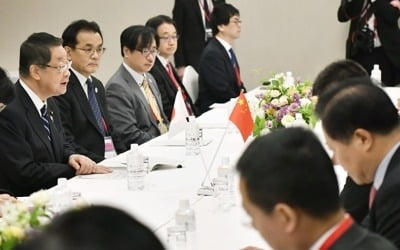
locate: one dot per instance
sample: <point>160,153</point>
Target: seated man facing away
<point>133,97</point>
<point>361,126</point>
<point>33,149</point>
<point>354,197</point>
<point>94,228</point>
<point>289,189</point>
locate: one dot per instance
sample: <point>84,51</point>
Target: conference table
<point>165,186</point>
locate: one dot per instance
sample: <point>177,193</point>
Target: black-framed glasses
<point>91,51</point>
<point>60,68</point>
<point>167,38</point>
<point>146,52</point>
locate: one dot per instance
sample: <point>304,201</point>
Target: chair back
<point>191,82</point>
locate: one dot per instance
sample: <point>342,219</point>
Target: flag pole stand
<point>205,190</point>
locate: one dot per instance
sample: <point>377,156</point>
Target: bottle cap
<point>376,66</point>
<point>61,181</point>
<point>184,204</point>
<point>134,146</point>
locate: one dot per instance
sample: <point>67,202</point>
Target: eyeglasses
<point>236,21</point>
<point>90,51</point>
<point>60,68</point>
<point>146,52</point>
<point>167,38</point>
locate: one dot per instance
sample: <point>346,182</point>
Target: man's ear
<point>34,71</point>
<point>287,217</point>
<point>68,50</point>
<point>364,139</point>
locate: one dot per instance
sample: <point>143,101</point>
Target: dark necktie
<point>45,119</point>
<point>176,85</point>
<point>235,67</point>
<point>94,105</point>
<point>206,13</point>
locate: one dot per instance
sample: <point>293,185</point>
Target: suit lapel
<point>196,7</point>
<point>34,118</point>
<point>57,144</point>
<point>139,94</point>
<point>83,100</point>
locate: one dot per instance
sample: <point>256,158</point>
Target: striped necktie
<point>45,119</point>
<point>94,105</point>
<point>154,106</point>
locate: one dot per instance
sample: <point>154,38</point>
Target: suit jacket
<point>129,110</point>
<point>167,88</point>
<point>355,199</point>
<point>78,119</point>
<point>384,216</point>
<point>359,238</point>
<point>217,78</point>
<point>386,21</point>
<point>29,161</point>
<point>189,23</point>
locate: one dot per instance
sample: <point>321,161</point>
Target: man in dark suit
<point>354,197</point>
<point>164,73</point>
<point>33,149</point>
<point>192,18</point>
<point>365,141</point>
<point>7,94</point>
<point>83,107</point>
<point>379,43</point>
<point>133,97</point>
<point>219,73</point>
<point>289,189</point>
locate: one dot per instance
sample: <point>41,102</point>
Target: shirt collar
<point>82,79</point>
<point>381,170</point>
<point>317,245</point>
<point>225,44</point>
<point>137,76</point>
<point>164,61</point>
<point>34,97</point>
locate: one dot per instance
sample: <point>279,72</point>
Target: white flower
<point>287,120</point>
<point>275,93</point>
<point>265,131</point>
<point>40,198</point>
<point>304,102</point>
<point>14,232</point>
<point>283,100</point>
<point>275,102</point>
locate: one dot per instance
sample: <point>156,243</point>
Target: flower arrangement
<point>285,102</point>
<point>20,219</point>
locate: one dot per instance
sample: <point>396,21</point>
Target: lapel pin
<point>95,90</point>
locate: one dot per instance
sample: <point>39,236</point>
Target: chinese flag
<point>241,117</point>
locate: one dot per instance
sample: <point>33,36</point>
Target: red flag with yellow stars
<point>241,116</point>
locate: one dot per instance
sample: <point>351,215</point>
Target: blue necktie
<point>235,67</point>
<point>45,120</point>
<point>94,105</point>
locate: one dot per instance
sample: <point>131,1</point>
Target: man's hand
<point>180,71</point>
<point>84,165</point>
<point>395,3</point>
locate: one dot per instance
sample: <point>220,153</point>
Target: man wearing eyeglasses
<point>219,74</point>
<point>83,107</point>
<point>163,71</point>
<point>133,97</point>
<point>33,149</point>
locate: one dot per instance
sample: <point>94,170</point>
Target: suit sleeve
<point>124,118</point>
<point>18,162</point>
<point>178,14</point>
<point>350,9</point>
<point>386,12</point>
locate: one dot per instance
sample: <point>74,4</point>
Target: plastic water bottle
<point>185,216</point>
<point>299,121</point>
<point>62,196</point>
<point>136,169</point>
<point>376,75</point>
<point>224,169</point>
<point>192,137</point>
<point>289,79</point>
